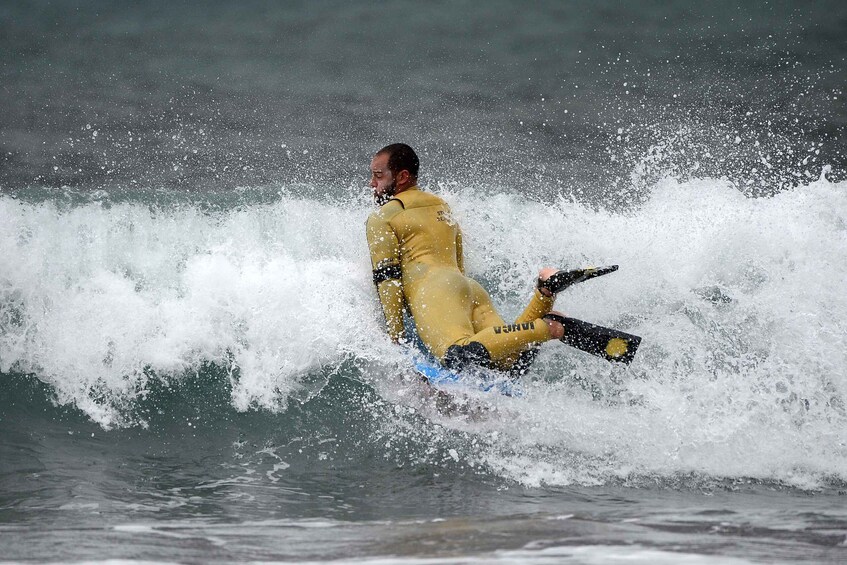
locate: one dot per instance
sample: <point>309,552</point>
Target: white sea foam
<point>92,296</point>
<point>739,301</point>
<point>752,387</point>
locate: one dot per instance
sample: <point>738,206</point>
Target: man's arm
<point>460,257</point>
<point>385,260</point>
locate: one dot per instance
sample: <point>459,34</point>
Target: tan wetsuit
<point>416,252</point>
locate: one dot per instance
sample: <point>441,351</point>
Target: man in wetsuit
<point>416,253</point>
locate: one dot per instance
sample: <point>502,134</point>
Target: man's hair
<point>401,157</point>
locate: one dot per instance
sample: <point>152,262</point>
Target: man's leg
<point>459,325</point>
<point>496,343</point>
<point>442,306</point>
<point>540,305</point>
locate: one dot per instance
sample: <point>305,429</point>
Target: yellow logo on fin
<point>616,347</point>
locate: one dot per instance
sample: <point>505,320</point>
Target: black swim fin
<point>563,279</point>
<point>610,344</point>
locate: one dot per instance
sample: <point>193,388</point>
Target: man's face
<point>382,180</point>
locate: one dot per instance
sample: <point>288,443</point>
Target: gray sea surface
<point>539,97</point>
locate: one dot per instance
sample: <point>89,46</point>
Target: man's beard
<point>386,195</point>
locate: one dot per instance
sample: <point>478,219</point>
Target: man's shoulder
<point>417,197</point>
<point>387,211</point>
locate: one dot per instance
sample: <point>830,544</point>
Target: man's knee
<point>459,357</point>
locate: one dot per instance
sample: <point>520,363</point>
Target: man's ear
<point>402,177</point>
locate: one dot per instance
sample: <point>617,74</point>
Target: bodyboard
<point>472,380</point>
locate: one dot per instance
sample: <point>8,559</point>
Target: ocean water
<point>192,357</point>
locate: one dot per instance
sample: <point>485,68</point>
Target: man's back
<point>416,229</point>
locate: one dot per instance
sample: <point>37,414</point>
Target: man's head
<point>394,168</point>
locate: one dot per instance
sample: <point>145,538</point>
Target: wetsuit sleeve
<point>385,259</point>
<point>460,254</point>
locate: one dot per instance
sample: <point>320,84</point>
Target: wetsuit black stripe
<point>387,272</point>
